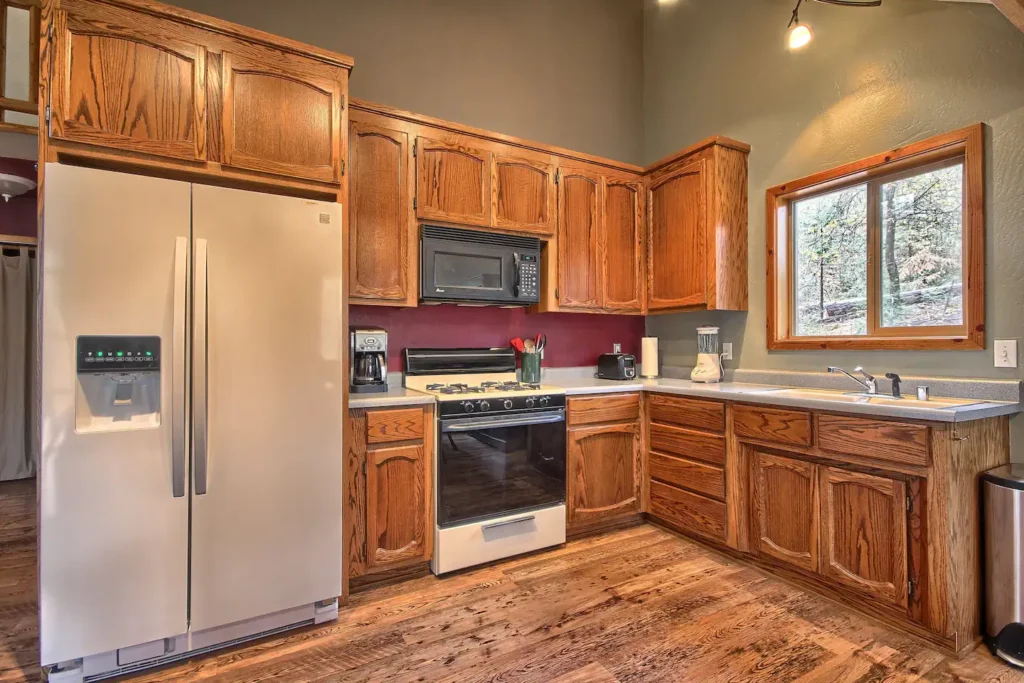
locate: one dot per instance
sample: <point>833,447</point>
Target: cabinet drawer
<point>771,424</point>
<point>688,511</point>
<point>687,412</point>
<point>601,409</point>
<point>688,474</point>
<point>385,426</point>
<point>688,443</point>
<point>893,441</point>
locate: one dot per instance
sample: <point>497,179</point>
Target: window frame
<point>964,146</point>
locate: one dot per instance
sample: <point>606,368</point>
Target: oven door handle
<point>475,425</point>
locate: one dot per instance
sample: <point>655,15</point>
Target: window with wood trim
<point>883,253</point>
<point>19,65</point>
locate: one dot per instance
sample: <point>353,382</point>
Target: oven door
<point>451,270</point>
<point>493,466</point>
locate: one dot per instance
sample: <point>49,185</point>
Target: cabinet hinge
<point>556,292</point>
<point>364,468</point>
<point>910,503</point>
<point>343,103</point>
<point>911,587</point>
<point>47,115</point>
<point>342,167</point>
<point>413,203</point>
<point>49,33</point>
<point>558,175</point>
<point>414,147</point>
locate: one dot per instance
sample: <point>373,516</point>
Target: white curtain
<point>19,441</point>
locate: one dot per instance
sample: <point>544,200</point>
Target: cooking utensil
<point>542,341</point>
<point>529,346</point>
<point>517,344</point>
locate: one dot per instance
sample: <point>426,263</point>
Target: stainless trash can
<point>1003,519</point>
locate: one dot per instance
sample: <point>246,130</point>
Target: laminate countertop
<point>396,395</point>
<point>770,395</point>
<point>808,399</point>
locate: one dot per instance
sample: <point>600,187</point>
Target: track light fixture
<point>799,34</point>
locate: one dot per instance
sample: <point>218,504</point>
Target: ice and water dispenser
<point>118,383</point>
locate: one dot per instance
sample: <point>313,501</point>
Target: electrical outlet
<point>727,351</point>
<point>1006,353</point>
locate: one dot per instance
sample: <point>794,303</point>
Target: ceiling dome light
<point>14,186</point>
<point>799,36</point>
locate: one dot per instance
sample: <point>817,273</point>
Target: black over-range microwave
<point>459,266</point>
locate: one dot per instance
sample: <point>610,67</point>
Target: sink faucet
<point>868,382</point>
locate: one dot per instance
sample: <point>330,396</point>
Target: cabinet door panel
<point>676,261</point>
<point>602,472</point>
<point>453,183</point>
<point>579,225</point>
<point>139,89</point>
<point>395,501</point>
<point>864,533</point>
<point>523,195</point>
<point>380,238</point>
<point>281,116</point>
<point>622,246</point>
<point>786,510</point>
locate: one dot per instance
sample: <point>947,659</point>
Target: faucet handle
<point>867,375</point>
<point>895,383</point>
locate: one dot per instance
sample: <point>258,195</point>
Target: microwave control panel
<point>528,286</point>
<point>118,354</point>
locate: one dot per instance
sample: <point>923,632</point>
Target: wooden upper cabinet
<point>697,229</point>
<point>131,85</point>
<point>579,230</point>
<point>603,472</point>
<point>785,510</point>
<point>282,114</point>
<point>395,505</point>
<point>382,241</point>
<point>523,195</point>
<point>453,183</point>
<point>622,246</point>
<point>677,246</point>
<point>864,534</point>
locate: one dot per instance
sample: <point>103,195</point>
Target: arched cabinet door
<point>786,510</point>
<point>579,238</point>
<point>523,195</point>
<point>382,239</point>
<point>395,504</point>
<point>676,241</point>
<point>453,183</point>
<point>282,115</point>
<point>864,533</point>
<point>622,241</point>
<point>128,81</point>
<point>602,465</point>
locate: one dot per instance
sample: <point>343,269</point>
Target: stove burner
<point>435,387</point>
<point>489,386</point>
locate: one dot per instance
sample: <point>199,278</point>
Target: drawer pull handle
<point>517,520</point>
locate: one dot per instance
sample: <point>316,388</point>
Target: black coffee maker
<point>368,360</point>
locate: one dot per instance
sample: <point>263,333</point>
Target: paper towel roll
<point>649,357</point>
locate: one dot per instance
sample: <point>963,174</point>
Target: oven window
<point>499,471</point>
<point>468,271</point>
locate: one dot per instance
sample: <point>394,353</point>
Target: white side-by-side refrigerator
<point>192,392</point>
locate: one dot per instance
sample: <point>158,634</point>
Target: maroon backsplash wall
<point>18,216</point>
<point>574,339</point>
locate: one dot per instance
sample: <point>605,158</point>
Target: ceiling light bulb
<point>799,36</point>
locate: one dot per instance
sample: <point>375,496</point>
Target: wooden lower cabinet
<point>389,495</point>
<point>786,510</point>
<point>603,461</point>
<point>864,533</point>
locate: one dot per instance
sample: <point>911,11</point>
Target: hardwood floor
<point>634,605</point>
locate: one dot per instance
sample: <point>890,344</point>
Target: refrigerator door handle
<point>200,377</point>
<point>178,368</point>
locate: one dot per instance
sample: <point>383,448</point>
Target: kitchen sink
<point>876,399</point>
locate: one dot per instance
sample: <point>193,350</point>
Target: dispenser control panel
<point>118,354</point>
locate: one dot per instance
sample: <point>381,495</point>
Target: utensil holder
<point>530,365</point>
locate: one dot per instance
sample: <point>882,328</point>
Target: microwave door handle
<point>515,273</point>
<point>475,425</point>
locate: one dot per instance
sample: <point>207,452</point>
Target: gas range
<point>486,393</point>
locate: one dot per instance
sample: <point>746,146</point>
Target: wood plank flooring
<point>635,605</point>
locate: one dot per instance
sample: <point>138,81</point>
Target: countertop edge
<point>398,396</point>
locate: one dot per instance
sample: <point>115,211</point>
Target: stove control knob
<point>508,404</point>
<point>467,406</point>
<point>531,402</point>
<point>544,400</point>
<point>484,405</point>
